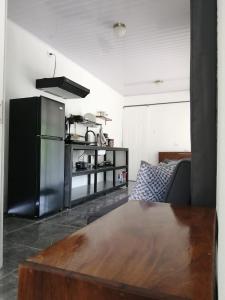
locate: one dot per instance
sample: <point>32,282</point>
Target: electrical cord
<point>52,54</point>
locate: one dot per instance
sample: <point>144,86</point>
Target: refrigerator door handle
<point>48,137</point>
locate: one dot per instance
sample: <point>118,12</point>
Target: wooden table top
<point>163,251</point>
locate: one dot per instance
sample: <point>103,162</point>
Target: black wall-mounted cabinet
<point>62,87</point>
<point>36,157</point>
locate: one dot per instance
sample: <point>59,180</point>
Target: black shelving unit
<point>97,170</point>
<point>93,188</point>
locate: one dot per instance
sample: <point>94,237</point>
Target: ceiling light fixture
<point>120,29</point>
<point>158,81</point>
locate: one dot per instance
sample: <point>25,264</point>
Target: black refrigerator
<point>36,156</point>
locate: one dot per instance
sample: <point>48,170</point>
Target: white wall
<point>27,60</point>
<point>2,59</point>
<point>148,130</point>
<point>221,148</point>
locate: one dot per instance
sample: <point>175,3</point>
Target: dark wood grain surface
<point>138,251</point>
<point>173,155</point>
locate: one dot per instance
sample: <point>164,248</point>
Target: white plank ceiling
<point>156,46</point>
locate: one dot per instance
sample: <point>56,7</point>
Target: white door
<point>135,133</point>
<point>169,129</point>
<point>2,50</point>
<point>148,130</point>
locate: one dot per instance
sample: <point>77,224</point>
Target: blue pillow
<point>152,182</point>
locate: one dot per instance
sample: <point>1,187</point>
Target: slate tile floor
<point>24,238</point>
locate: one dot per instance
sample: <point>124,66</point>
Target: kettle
<point>87,139</point>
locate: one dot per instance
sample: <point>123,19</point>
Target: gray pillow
<point>152,182</point>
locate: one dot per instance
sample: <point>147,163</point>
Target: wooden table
<point>138,251</point>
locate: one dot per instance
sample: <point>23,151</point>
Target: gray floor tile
<point>12,223</point>
<point>13,254</point>
<point>77,216</point>
<point>70,218</point>
<point>24,238</point>
<point>8,287</point>
<point>40,235</point>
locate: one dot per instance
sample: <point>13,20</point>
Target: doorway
<point>152,128</point>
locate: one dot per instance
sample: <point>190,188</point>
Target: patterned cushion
<point>152,182</point>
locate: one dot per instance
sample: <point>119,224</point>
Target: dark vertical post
<point>203,88</point>
<point>68,175</point>
<point>96,175</point>
<point>114,171</point>
<point>89,175</point>
<point>105,157</point>
<point>127,164</point>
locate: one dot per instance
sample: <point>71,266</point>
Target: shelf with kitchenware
<point>93,170</point>
<point>93,147</point>
<point>102,115</point>
<point>89,120</point>
<point>105,119</point>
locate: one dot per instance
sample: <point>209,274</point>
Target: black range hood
<point>62,87</point>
